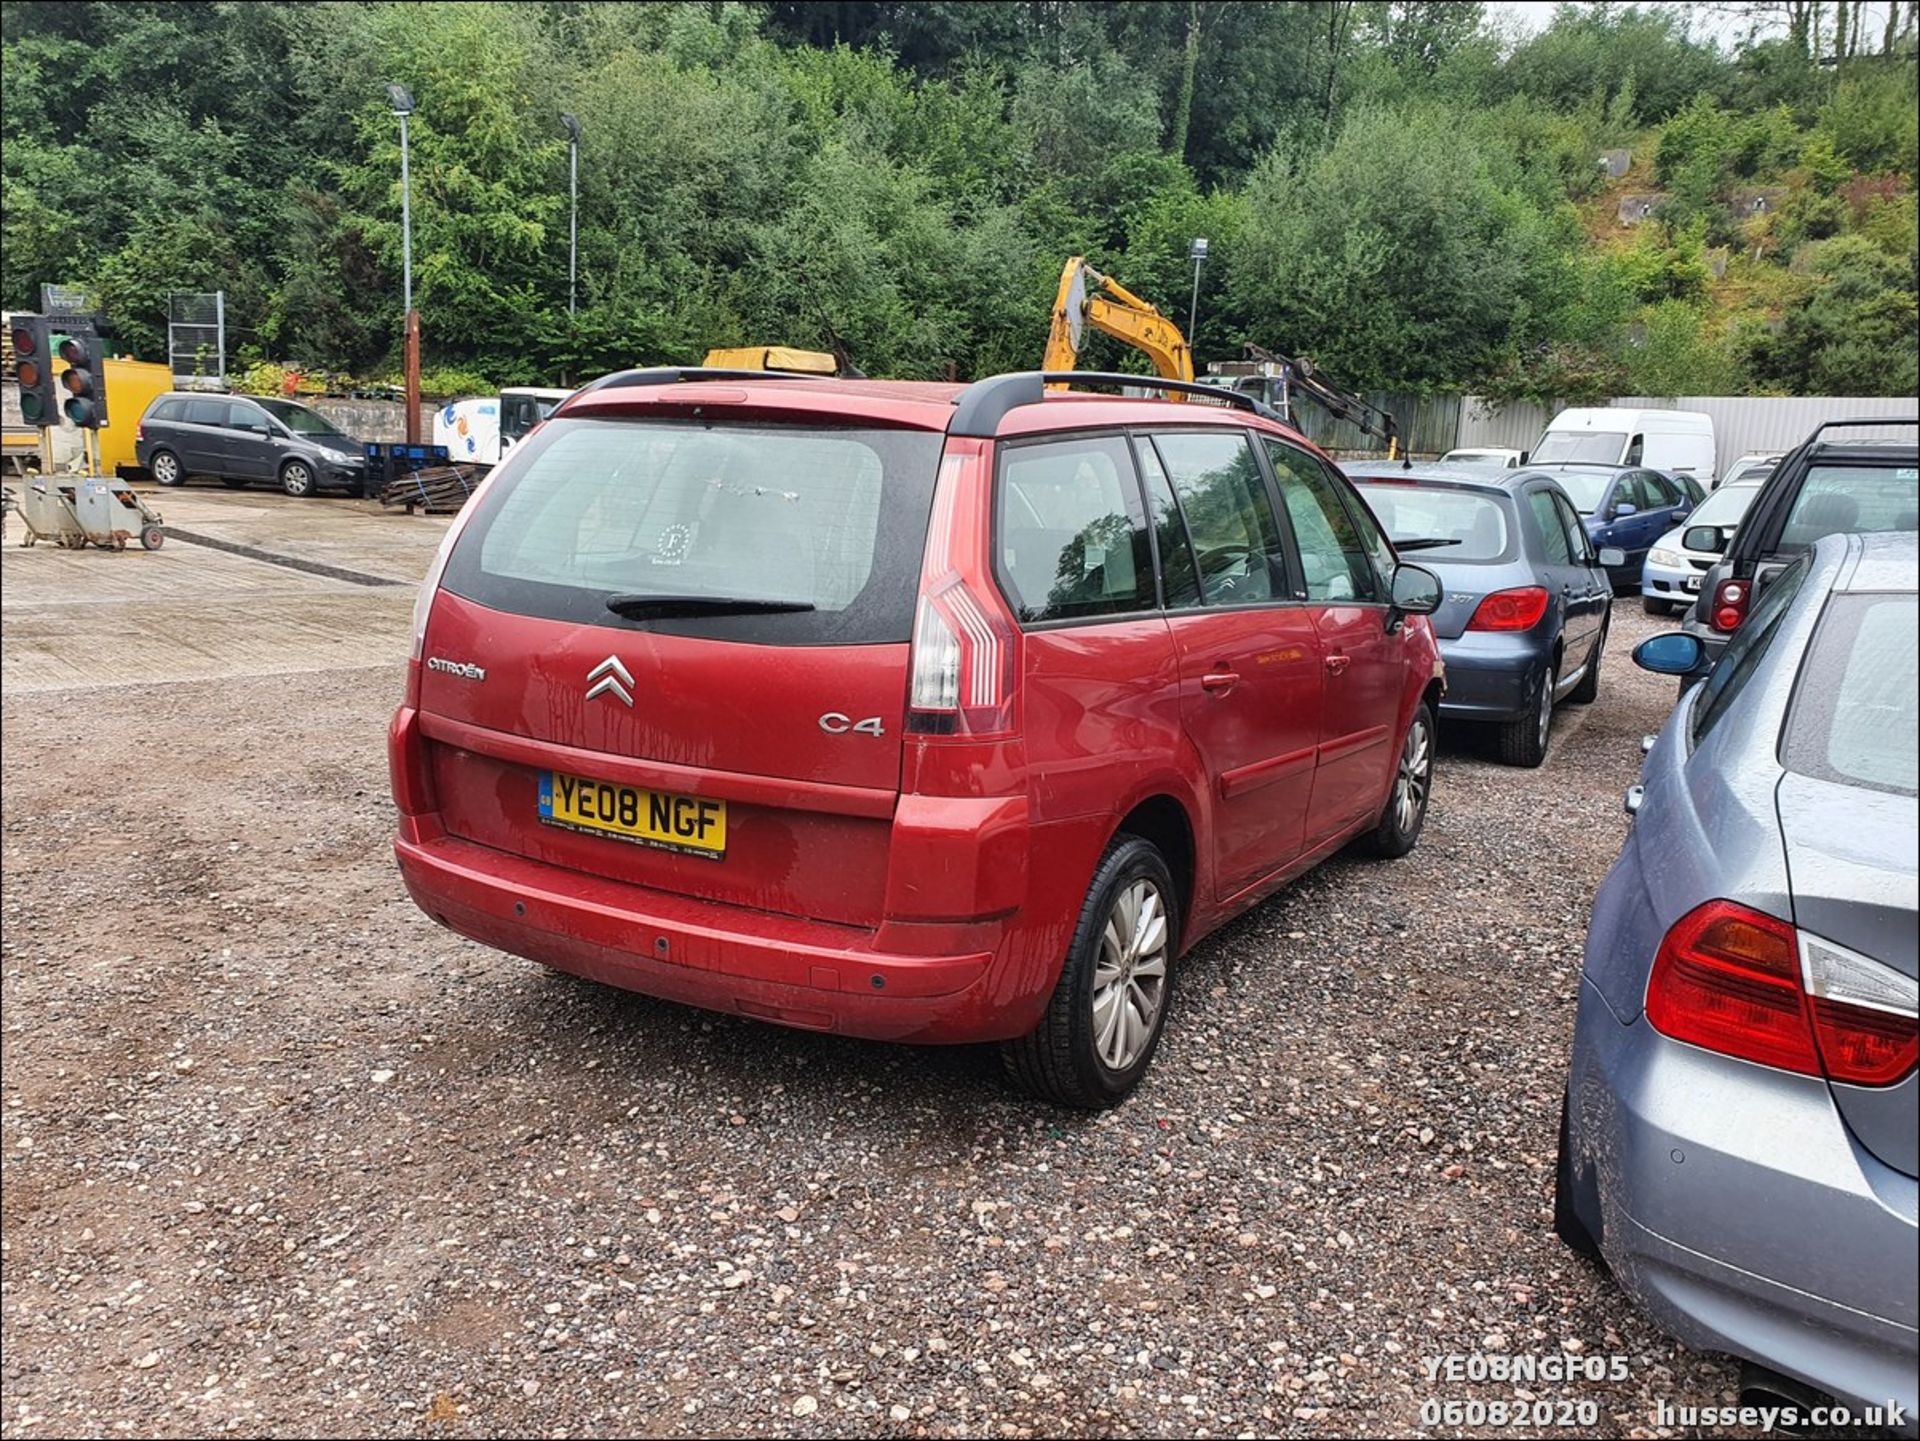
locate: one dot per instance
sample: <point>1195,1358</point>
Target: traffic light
<point>33,362</point>
<point>85,379</point>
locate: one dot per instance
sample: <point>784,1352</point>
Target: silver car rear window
<point>1854,712</point>
<point>1475,525</point>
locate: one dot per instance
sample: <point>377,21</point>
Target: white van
<point>1672,440</point>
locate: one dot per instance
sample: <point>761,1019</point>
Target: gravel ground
<point>283,1156</point>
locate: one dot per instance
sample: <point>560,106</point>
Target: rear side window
<point>207,412</point>
<point>1835,499</point>
<point>1229,514</point>
<point>1745,651</point>
<point>1333,553</point>
<point>1071,535</point>
<point>169,410</point>
<point>1471,525</point>
<point>1553,536</point>
<point>1853,713</point>
<point>1660,491</point>
<point>835,519</point>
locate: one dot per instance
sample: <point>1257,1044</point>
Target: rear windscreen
<point>1842,499</point>
<point>1469,525</point>
<point>831,519</point>
<point>1853,718</point>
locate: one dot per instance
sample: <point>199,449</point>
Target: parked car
<point>1739,1137</point>
<point>1483,455</point>
<point>908,711</point>
<point>1751,468</point>
<point>1828,485</point>
<point>240,439</point>
<point>1524,621</point>
<point>1670,440</point>
<point>1625,508</point>
<point>1670,580</point>
<point>1690,489</point>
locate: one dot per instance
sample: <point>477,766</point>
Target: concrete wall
<point>1740,422</point>
<point>373,419</point>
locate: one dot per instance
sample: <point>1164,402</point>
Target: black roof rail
<point>979,409</point>
<point>687,374</point>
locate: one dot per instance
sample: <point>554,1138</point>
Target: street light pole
<point>402,101</point>
<point>573,214</point>
<point>1198,255</point>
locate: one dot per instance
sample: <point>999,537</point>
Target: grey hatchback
<point>240,439</point>
<point>1524,621</point>
<point>1739,1138</point>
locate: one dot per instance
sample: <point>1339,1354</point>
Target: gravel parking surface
<point>282,1156</point>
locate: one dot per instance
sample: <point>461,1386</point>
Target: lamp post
<point>1198,255</point>
<point>402,101</point>
<point>572,127</point>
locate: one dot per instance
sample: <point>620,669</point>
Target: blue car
<point>1739,1137</point>
<point>1626,507</point>
<point>1523,621</point>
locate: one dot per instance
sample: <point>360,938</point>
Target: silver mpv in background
<point>1740,1132</point>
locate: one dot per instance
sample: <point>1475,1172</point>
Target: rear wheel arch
<point>1163,820</point>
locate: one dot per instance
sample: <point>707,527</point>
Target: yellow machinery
<point>773,357</point>
<point>1088,298</point>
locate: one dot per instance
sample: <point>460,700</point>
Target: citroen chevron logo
<point>611,678</point>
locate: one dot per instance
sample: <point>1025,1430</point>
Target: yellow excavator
<point>1088,298</point>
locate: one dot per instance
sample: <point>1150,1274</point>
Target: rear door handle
<point>1338,663</point>
<point>1220,681</point>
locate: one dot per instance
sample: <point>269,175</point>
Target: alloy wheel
<point>1546,706</point>
<point>1416,775</point>
<point>1130,977</point>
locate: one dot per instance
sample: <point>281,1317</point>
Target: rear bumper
<point>1738,1209</point>
<point>1493,676</point>
<point>790,971</point>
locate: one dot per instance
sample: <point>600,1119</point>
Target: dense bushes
<point>1392,189</point>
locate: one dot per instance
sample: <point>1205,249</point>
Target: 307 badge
<point>692,825</point>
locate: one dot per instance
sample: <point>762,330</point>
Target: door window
<point>1378,547</point>
<point>1236,537</point>
<point>207,412</point>
<point>1578,541</point>
<point>1072,538</point>
<point>1179,573</point>
<point>1744,652</point>
<point>1333,552</point>
<point>245,417</point>
<point>1553,532</point>
<point>1661,492</point>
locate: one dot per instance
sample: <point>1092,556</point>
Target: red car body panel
<point>895,885</point>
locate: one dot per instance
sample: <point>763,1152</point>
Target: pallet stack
<point>436,490</point>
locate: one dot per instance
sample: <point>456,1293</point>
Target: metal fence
<point>1427,424</point>
<point>197,340</point>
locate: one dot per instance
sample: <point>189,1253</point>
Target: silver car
<point>1739,1139</point>
<point>1670,580</point>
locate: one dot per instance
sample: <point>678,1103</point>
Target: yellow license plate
<point>691,824</point>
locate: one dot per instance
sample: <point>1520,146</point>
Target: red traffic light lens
<point>23,339</point>
<point>72,351</point>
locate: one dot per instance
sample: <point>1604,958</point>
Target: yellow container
<point>131,388</point>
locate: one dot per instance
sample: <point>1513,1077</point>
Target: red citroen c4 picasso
<point>918,712</point>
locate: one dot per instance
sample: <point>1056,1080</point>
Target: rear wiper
<point>640,606</point>
<point>1422,544</point>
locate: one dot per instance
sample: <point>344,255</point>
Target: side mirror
<point>1416,590</point>
<point>1710,538</point>
<point>1625,507</point>
<point>1675,653</point>
<point>1525,456</point>
<point>1612,557</point>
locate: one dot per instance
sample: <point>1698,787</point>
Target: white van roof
<point>1625,417</point>
<point>538,391</point>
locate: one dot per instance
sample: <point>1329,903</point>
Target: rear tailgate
<point>746,758</point>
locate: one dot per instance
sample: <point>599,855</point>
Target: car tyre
<point>1405,813</point>
<point>165,468</point>
<point>1096,1040</point>
<point>1588,691</point>
<point>297,479</point>
<point>1523,742</point>
<point>1653,606</point>
<point>1567,1224</point>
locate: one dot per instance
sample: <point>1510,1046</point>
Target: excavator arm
<point>1088,298</point>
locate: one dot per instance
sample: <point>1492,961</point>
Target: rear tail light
<point>1517,609</point>
<point>1744,984</point>
<point>1730,601</point>
<point>964,642</point>
<point>430,587</point>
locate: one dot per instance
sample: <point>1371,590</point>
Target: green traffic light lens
<point>80,411</point>
<point>33,408</point>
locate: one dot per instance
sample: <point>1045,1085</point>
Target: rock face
<point>1616,162</point>
<point>1640,206</point>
